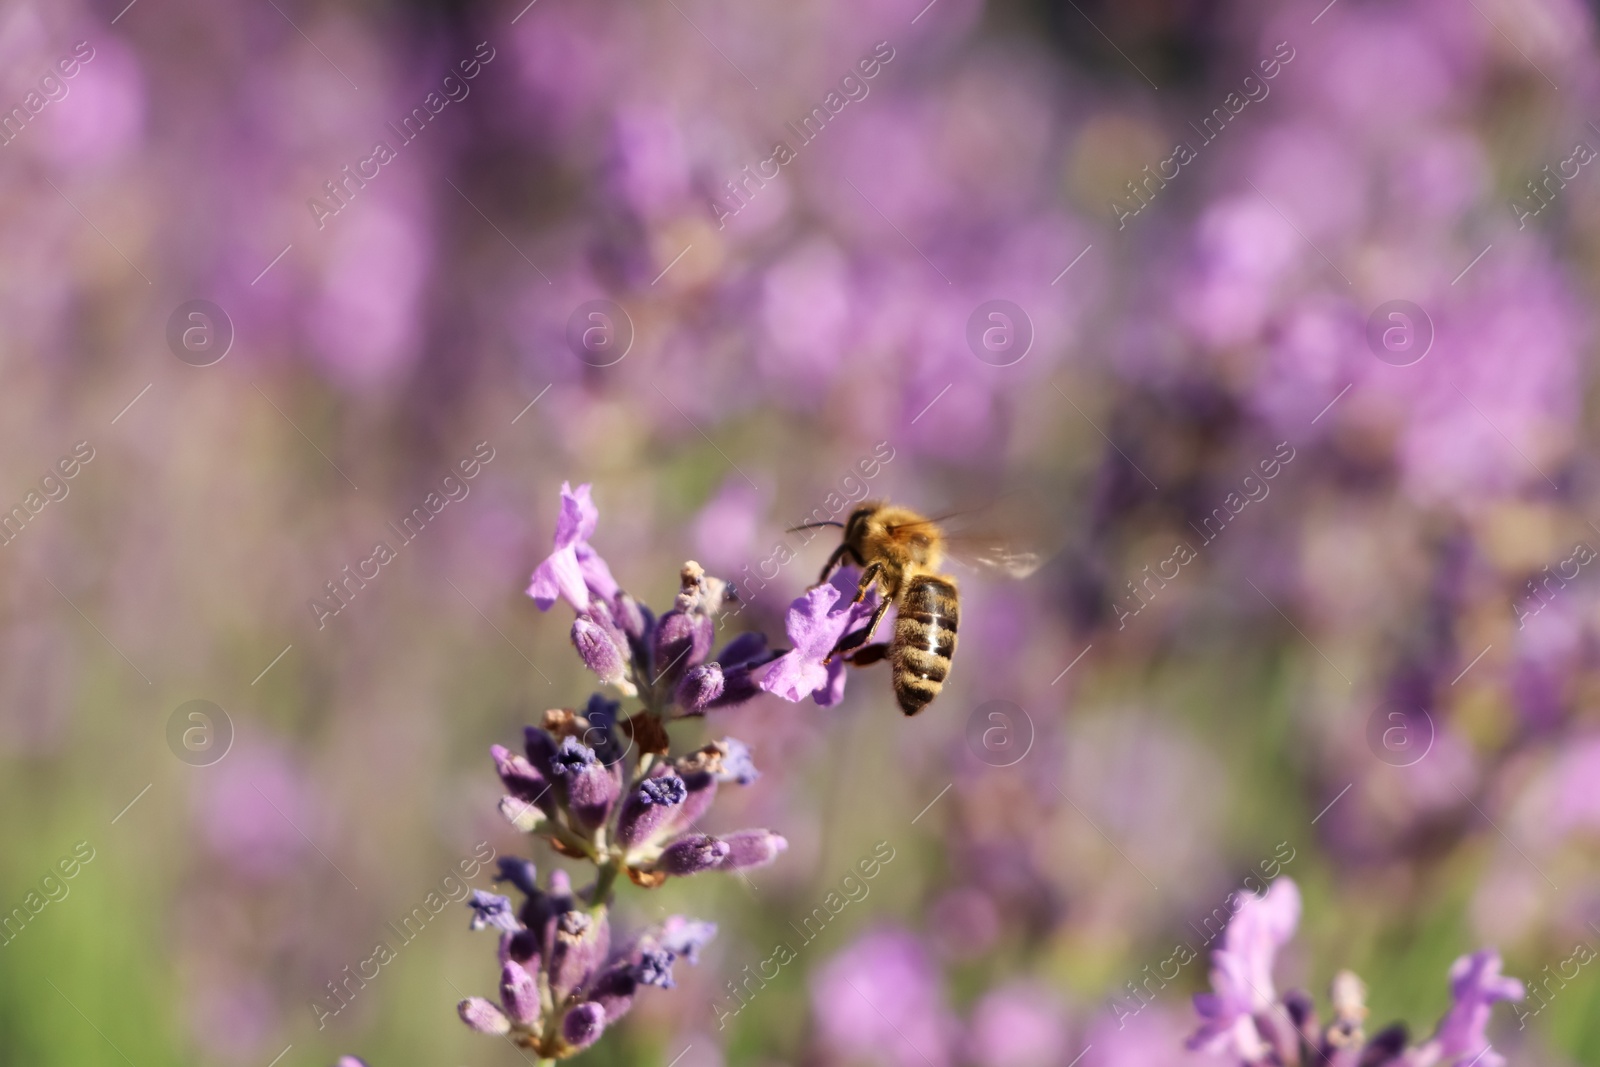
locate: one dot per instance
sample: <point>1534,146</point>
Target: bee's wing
<point>1012,536</point>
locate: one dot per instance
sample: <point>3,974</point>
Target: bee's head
<point>856,527</point>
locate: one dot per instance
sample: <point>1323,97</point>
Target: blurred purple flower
<point>882,997</point>
<point>816,621</point>
<point>1018,1025</point>
<point>1242,973</point>
<point>1477,985</point>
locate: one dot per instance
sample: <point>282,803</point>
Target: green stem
<point>604,880</point>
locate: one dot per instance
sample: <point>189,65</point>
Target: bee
<point>901,551</point>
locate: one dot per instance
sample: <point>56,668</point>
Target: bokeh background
<point>1382,667</point>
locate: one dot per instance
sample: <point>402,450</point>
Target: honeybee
<point>900,551</point>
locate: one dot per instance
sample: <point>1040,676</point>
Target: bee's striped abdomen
<point>924,641</point>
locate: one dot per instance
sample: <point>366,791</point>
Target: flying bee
<point>900,551</point>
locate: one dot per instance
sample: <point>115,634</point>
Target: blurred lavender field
<point>1280,310</point>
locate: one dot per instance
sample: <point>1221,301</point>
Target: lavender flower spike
<point>815,622</point>
<point>574,570</point>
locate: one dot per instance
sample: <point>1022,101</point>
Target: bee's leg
<point>869,654</point>
<point>861,636</point>
<point>835,561</point>
<point>868,576</point>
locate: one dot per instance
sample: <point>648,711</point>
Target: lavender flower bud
<point>613,989</point>
<point>633,617</point>
<point>602,735</point>
<point>598,651</point>
<point>682,640</point>
<point>583,1025</point>
<point>581,943</point>
<point>483,1016</point>
<point>540,745</point>
<point>519,872</point>
<point>752,848</point>
<point>700,686</point>
<point>521,779</point>
<point>489,909</point>
<point>691,855</point>
<point>702,787</point>
<point>572,757</point>
<point>648,808</point>
<point>519,992</point>
<point>655,968</point>
<point>739,684</point>
<point>521,814</point>
<point>521,947</point>
<point>592,793</point>
<point>744,649</point>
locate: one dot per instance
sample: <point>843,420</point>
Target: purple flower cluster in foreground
<point>607,789</point>
<point>1244,1018</point>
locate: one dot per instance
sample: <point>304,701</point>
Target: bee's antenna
<point>814,525</point>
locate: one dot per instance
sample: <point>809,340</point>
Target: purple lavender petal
<point>491,909</point>
<point>685,937</point>
<point>562,574</point>
<point>1241,975</point>
<point>815,623</point>
<point>519,872</point>
<point>1477,985</point>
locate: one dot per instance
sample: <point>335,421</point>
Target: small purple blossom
<point>491,909</point>
<point>655,968</point>
<point>572,757</point>
<point>574,570</point>
<point>816,622</point>
<point>1241,977</point>
<point>1477,985</point>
